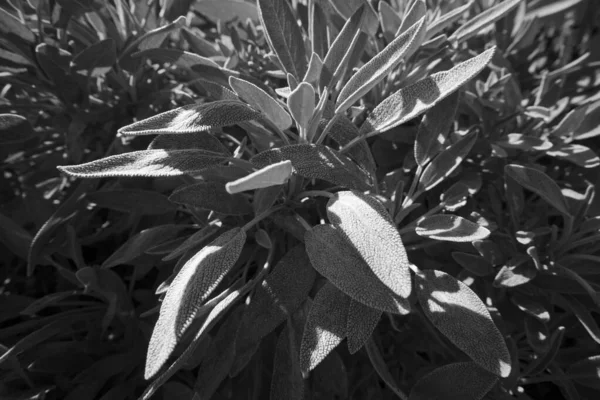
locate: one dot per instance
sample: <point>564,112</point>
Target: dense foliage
<point>291,199</point>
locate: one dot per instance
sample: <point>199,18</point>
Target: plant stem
<point>260,217</point>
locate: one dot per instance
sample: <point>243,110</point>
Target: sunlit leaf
<point>524,142</point>
<point>577,154</point>
<point>452,228</point>
<point>483,20</point>
<point>301,103</point>
<point>446,20</point>
<point>271,175</point>
<point>539,183</point>
<point>188,141</point>
<point>415,13</point>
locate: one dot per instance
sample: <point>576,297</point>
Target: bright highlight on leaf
<point>539,183</point>
<point>271,175</point>
<point>451,228</point>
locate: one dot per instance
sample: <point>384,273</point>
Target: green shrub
<point>416,177</point>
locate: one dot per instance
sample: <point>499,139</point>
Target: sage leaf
<point>445,163</point>
<point>451,228</point>
<point>334,257</point>
<point>283,35</point>
<point>577,154</point>
<point>473,263</point>
<point>96,60</point>
<point>524,142</point>
<point>346,8</point>
<point>318,28</point>
<point>483,20</point>
<point>183,141</point>
<point>584,316</point>
<point>380,66</point>
<point>146,163</point>
<point>196,280</point>
<point>227,10</point>
<point>271,175</point>
<point>317,162</point>
<point>368,227</point>
<point>389,19</point>
<point>362,321</point>
<point>540,184</point>
<point>301,103</point>
<point>458,381</point>
<point>446,20</point>
<point>262,101</point>
<point>198,44</point>
<point>434,128</point>
<point>411,101</point>
<point>279,295</point>
<point>325,326</point>
<point>212,196</point>
<point>193,118</point>
<point>416,12</point>
<point>315,65</point>
<point>15,128</point>
<point>461,316</point>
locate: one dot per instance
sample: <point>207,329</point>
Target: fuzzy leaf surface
<point>451,228</point>
<point>212,196</point>
<point>362,321</point>
<point>417,11</point>
<point>271,175</point>
<point>461,316</point>
<point>196,280</point>
<point>483,20</point>
<point>185,141</point>
<point>301,103</point>
<point>540,184</point>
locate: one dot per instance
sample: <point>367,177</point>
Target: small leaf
<point>15,128</point>
<point>212,196</point>
<point>577,154</point>
<point>333,256</point>
<point>362,321</point>
<point>446,20</point>
<point>152,39</point>
<point>450,228</point>
<point>483,20</point>
<point>315,65</point>
<point>516,272</point>
<point>530,306</point>
<point>260,100</point>
<point>317,162</point>
<point>390,20</point>
<point>446,162</point>
<point>271,175</point>
<point>380,66</point>
<point>283,35</point>
<point>143,202</point>
<point>325,326</point>
<point>279,295</point>
<point>198,44</point>
<point>416,12</point>
<point>475,264</point>
<point>539,183</point>
<point>146,163</point>
<point>434,128</point>
<point>458,381</point>
<point>411,101</point>
<point>301,103</point>
<point>96,60</point>
<point>193,118</point>
<point>524,142</point>
<point>461,316</point>
<point>541,363</point>
<point>455,197</point>
<point>180,58</point>
<point>200,275</point>
<point>227,10</point>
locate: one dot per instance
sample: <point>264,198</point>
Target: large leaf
<point>344,266</point>
<point>434,128</point>
<point>539,183</point>
<point>362,321</point>
<point>191,287</point>
<point>146,163</point>
<point>95,60</point>
<point>461,316</point>
<point>279,295</point>
<point>15,128</point>
<point>184,141</point>
<point>369,228</point>
<point>452,228</point>
<point>271,175</point>
<point>325,326</point>
<point>284,35</point>
<point>346,8</point>
<point>458,381</point>
<point>411,101</point>
<point>483,20</point>
<point>260,100</point>
<point>381,65</point>
<point>212,196</point>
<point>317,162</point>
<point>193,118</point>
<point>301,103</point>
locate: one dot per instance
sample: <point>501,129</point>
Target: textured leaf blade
<point>452,228</point>
<point>254,95</point>
<point>325,326</point>
<point>15,128</point>
<point>284,35</point>
<point>193,118</point>
<point>434,128</point>
<point>301,104</point>
<point>146,163</point>
<point>381,65</point>
<point>458,381</point>
<point>417,11</point>
<point>346,8</point>
<point>317,162</point>
<point>370,230</point>
<point>196,280</point>
<point>362,321</point>
<point>486,18</point>
<point>212,196</point>
<point>97,59</point>
<point>462,317</point>
<point>271,175</point>
<point>446,162</point>
<point>184,141</point>
<point>539,183</point>
<point>334,257</point>
<point>447,20</point>
<point>411,101</point>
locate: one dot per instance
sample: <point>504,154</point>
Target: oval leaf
<point>146,163</point>
<point>458,381</point>
<point>193,118</point>
<point>199,276</point>
<point>461,316</point>
<point>301,103</point>
<point>325,326</point>
<point>271,175</point>
<point>451,228</point>
<point>334,257</point>
<point>539,183</point>
<point>362,321</point>
<point>411,101</point>
<point>317,162</point>
<point>212,196</point>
